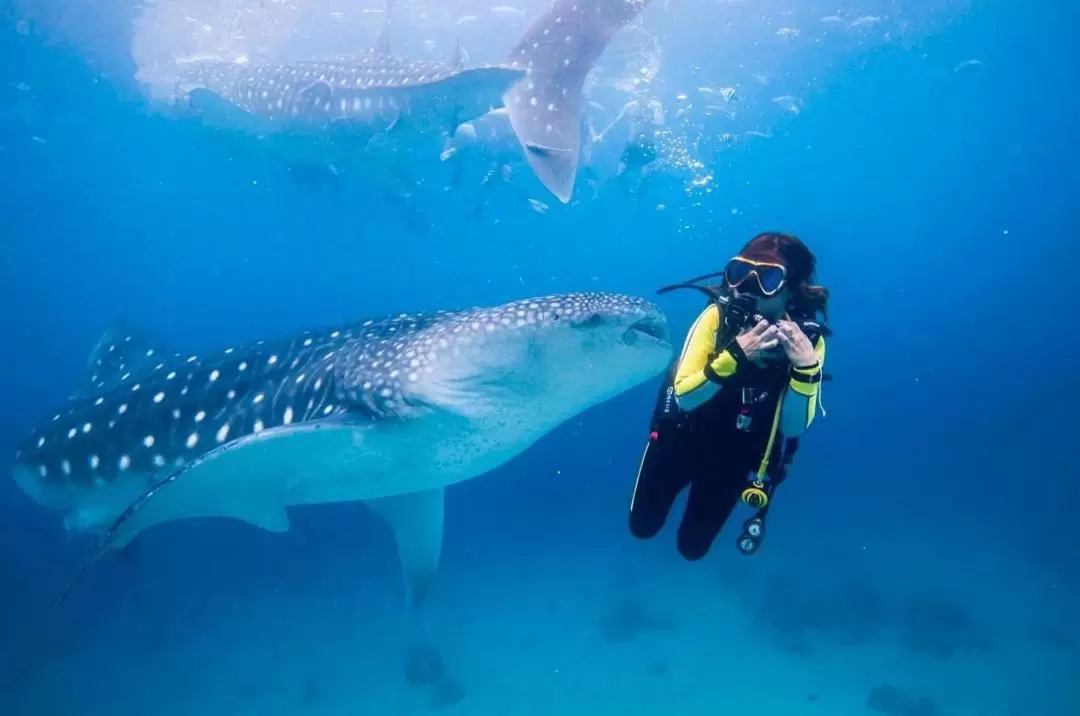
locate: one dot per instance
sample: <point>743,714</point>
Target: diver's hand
<point>757,341</point>
<point>796,345</point>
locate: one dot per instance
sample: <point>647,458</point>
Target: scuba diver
<point>729,417</point>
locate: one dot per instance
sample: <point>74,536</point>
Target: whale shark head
<point>542,359</point>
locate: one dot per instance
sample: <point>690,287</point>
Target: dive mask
<point>769,277</point>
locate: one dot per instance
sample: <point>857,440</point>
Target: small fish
<point>727,93</point>
<point>865,21</point>
<point>719,109</point>
<point>507,10</point>
<point>790,104</point>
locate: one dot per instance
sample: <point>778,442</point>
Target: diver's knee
<point>645,526</point>
<point>693,550</point>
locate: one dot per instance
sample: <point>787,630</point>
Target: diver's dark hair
<point>789,250</point>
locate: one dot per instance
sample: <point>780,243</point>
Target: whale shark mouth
<point>651,327</point>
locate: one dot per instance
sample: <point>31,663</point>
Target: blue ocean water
<point>922,557</point>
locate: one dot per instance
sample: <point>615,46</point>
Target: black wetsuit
<point>707,451</point>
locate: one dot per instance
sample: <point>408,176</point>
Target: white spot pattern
<point>367,370</point>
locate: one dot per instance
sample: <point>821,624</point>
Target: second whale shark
<point>346,101</point>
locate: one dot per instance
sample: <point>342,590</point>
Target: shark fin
<point>194,489</point>
<point>559,50</point>
<point>123,352</point>
<point>417,521</point>
<point>94,513</point>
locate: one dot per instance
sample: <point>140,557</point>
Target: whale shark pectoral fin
<point>552,141</point>
<point>244,479</point>
<point>547,109</point>
<point>417,521</point>
<point>96,512</point>
<point>270,515</point>
<point>271,518</point>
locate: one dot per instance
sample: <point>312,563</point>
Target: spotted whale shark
<point>386,411</point>
<point>354,98</point>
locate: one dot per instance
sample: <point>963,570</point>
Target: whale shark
<point>346,101</point>
<point>387,411</point>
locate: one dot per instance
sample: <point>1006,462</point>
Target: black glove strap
<point>809,378</point>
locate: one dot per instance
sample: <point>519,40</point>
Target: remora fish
<point>387,411</point>
<point>540,85</point>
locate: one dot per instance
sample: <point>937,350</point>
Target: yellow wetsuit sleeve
<point>801,400</point>
<point>702,371</point>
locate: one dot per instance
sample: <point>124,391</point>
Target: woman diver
<point>745,388</point>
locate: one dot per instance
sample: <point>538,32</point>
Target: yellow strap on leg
<point>763,468</point>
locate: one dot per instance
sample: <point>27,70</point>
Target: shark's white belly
<point>349,464</point>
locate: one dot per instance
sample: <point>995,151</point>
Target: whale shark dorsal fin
<point>124,352</point>
<point>417,521</point>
